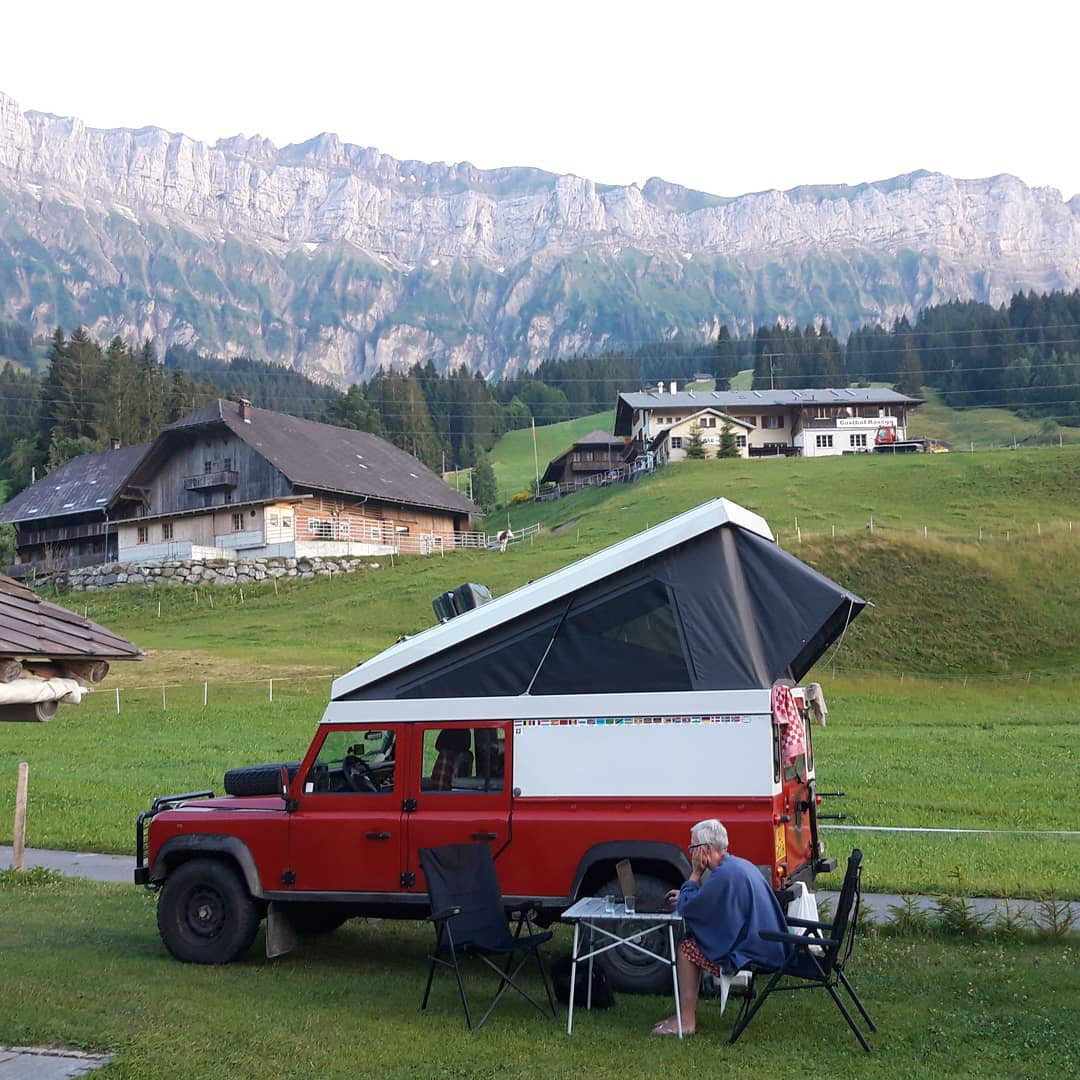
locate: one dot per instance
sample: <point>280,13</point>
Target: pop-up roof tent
<point>705,601</point>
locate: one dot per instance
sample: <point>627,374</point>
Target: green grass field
<point>911,754</point>
<point>953,495</point>
<point>512,455</point>
<point>986,428</point>
<point>83,967</point>
<point>929,750</point>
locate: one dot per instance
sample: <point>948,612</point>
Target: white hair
<point>710,831</point>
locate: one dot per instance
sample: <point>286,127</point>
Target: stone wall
<point>207,572</point>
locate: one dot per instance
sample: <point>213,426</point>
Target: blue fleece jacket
<point>727,913</point>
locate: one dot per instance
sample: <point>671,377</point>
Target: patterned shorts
<point>689,948</point>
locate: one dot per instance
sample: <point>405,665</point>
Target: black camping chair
<point>816,958</point>
<point>471,920</point>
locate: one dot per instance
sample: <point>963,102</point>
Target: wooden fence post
<point>18,854</point>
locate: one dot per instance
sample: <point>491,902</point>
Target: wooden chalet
<point>591,457</point>
<point>230,479</point>
<point>65,520</point>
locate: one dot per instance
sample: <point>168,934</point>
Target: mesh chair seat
<point>471,920</point>
<point>816,958</point>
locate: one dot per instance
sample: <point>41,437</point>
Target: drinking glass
<point>631,904</point>
<point>609,905</point>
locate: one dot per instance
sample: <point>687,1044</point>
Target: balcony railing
<point>207,481</point>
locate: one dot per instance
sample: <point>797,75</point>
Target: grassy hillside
<point>947,603</point>
<point>932,682</point>
<point>986,428</point>
<point>951,494</point>
<point>512,455</point>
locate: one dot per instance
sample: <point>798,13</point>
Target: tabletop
<point>592,908</point>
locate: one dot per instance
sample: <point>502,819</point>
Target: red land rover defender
<point>590,716</point>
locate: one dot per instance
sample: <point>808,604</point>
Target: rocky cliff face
<point>339,259</point>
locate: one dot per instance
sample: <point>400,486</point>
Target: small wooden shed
<point>49,655</point>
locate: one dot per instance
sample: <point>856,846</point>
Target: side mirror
<point>290,803</point>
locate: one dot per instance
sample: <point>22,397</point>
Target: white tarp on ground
<point>32,690</point>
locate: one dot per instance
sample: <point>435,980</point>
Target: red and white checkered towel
<point>786,715</point>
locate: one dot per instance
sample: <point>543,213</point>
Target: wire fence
<point>209,694</point>
<point>315,688</point>
<point>993,531</point>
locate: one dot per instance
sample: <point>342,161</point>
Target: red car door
<point>346,834</point>
<point>459,778</point>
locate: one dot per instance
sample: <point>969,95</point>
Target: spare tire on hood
<point>258,779</point>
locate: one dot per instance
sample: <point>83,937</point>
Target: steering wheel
<point>358,774</point>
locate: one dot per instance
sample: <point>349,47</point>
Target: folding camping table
<point>618,927</point>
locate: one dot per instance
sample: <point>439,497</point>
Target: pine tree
<point>150,380</point>
<point>726,365</point>
<point>353,410</point>
<point>729,448</point>
<point>911,375</point>
<point>695,445</point>
<point>484,488</point>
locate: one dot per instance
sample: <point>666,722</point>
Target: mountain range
<point>336,259</point>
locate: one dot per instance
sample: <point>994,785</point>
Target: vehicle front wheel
<point>205,915</point>
<point>629,971</point>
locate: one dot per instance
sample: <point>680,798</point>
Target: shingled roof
<point>87,483</point>
<point>328,458</point>
<point>32,627</point>
<point>628,404</point>
<point>599,438</point>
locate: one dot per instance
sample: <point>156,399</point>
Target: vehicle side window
<point>355,762</point>
<point>460,760</point>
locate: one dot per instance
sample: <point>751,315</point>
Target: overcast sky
<point>719,96</point>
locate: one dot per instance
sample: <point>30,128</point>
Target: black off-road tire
<point>258,779</point>
<point>627,970</point>
<point>311,918</point>
<point>205,914</point>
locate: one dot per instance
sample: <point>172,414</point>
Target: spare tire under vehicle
<point>627,970</point>
<point>258,779</point>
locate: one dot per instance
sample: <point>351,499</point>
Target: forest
<point>73,394</point>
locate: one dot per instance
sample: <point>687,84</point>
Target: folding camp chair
<point>471,920</point>
<point>816,958</point>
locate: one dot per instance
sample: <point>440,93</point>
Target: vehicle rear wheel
<point>627,970</point>
<point>205,915</point>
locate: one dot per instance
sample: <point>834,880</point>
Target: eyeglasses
<point>693,847</point>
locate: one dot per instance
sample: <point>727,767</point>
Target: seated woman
<point>724,918</point>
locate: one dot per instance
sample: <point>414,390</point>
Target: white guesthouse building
<point>804,423</point>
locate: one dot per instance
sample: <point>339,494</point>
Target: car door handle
<point>378,836</point>
<point>485,836</point>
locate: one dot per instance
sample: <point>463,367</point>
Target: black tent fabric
<point>728,610</point>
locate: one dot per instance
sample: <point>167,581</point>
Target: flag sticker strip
<point>629,721</point>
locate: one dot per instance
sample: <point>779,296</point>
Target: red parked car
<point>590,716</point>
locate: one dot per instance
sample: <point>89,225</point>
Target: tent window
<point>623,643</point>
<point>503,669</point>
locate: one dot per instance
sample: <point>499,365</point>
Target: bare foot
<point>670,1026</point>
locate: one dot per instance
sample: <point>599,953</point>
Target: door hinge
<point>288,877</point>
<point>408,879</point>
<point>408,806</point>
